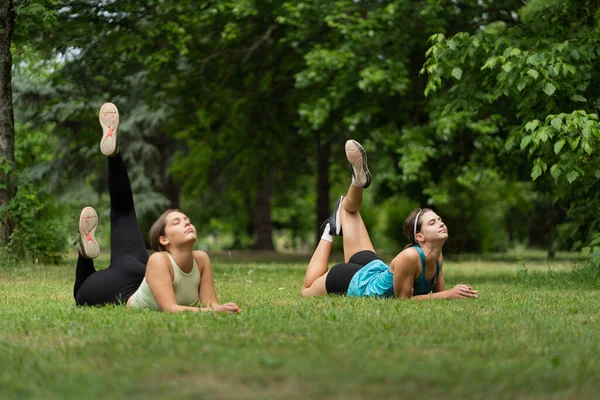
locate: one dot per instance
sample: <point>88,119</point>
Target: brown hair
<point>158,229</point>
<point>409,226</point>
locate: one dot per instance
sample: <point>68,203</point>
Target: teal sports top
<point>376,279</point>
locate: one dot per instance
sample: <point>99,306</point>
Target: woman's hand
<point>461,291</point>
<point>227,307</point>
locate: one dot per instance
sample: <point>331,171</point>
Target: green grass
<point>532,334</point>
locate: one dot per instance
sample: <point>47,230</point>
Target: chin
<point>191,239</point>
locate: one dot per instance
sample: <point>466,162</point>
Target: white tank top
<point>186,287</point>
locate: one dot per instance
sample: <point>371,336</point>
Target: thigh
<point>113,285</point>
<point>355,237</point>
<point>126,237</point>
<point>363,257</point>
<point>339,277</point>
<point>100,288</point>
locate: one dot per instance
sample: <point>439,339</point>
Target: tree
<point>148,57</point>
<point>7,123</point>
<point>229,107</point>
<point>534,81</point>
<point>361,80</point>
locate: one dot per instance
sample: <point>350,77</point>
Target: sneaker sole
<point>109,120</point>
<point>357,157</point>
<point>88,222</point>
<point>337,229</point>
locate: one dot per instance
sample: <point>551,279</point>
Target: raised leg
<point>356,237</point>
<point>125,235</point>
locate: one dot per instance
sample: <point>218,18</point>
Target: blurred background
<point>237,112</point>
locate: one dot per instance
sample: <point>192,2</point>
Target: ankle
<point>326,236</point>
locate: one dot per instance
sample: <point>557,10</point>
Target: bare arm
<point>439,290</point>
<point>440,285</point>
<point>206,291</point>
<point>460,291</point>
<point>406,267</point>
<point>159,275</point>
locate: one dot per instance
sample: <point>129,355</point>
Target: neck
<point>183,256</point>
<point>432,251</point>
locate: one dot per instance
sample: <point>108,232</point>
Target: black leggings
<point>339,277</point>
<point>128,254</point>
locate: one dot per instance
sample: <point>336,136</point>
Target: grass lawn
<point>532,334</point>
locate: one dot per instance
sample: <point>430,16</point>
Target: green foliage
<point>39,233</point>
<point>537,73</point>
<point>219,98</point>
<point>395,210</point>
<point>38,220</point>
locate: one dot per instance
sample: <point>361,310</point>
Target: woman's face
<point>433,228</point>
<point>179,230</point>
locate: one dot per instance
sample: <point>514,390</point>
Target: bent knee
<point>313,291</point>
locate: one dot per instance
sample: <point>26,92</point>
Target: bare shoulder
<point>158,259</point>
<point>201,257</point>
<point>158,263</point>
<point>406,259</point>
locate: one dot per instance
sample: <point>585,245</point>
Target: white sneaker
<point>88,222</point>
<point>109,120</point>
<point>357,157</point>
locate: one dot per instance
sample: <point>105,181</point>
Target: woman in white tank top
<point>173,279</point>
<point>176,275</point>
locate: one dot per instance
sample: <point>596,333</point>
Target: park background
<point>237,113</point>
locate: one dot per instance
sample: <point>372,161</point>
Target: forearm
<point>176,308</point>
<point>210,303</point>
<point>208,296</point>
<point>437,295</point>
<point>208,307</point>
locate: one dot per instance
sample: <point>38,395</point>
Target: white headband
<point>415,230</point>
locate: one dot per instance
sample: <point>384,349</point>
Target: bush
<point>38,230</point>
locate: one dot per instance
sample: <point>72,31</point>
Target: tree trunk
<point>323,184</point>
<point>168,187</point>
<point>172,191</point>
<point>263,225</point>
<point>7,122</point>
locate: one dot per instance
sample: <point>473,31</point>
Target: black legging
<point>128,254</point>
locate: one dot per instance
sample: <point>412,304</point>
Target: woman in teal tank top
<point>415,273</point>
